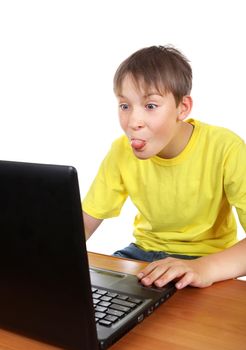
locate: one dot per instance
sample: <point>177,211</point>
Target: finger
<point>147,270</point>
<point>185,280</point>
<point>172,273</point>
<point>154,275</point>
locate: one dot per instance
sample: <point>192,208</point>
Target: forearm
<point>201,272</point>
<point>230,263</point>
<point>90,224</point>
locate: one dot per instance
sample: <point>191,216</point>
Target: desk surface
<point>210,318</point>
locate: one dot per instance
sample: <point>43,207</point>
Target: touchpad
<point>104,278</point>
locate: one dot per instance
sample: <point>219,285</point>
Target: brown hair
<point>162,67</point>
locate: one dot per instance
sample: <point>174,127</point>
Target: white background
<point>57,61</point>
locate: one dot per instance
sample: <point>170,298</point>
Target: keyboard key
<point>100,315</point>
<point>111,318</point>
<point>104,303</point>
<point>123,303</point>
<point>120,308</point>
<point>115,312</point>
<point>122,297</point>
<point>135,300</point>
<point>101,291</point>
<point>105,323</point>
<point>100,308</point>
<point>106,298</point>
<point>112,295</point>
<point>96,296</point>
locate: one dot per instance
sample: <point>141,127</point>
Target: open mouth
<point>138,144</point>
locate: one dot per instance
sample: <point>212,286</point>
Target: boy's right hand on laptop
<point>185,272</point>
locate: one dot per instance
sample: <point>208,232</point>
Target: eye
<point>151,106</point>
<point>123,106</point>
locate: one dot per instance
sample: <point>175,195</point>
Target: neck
<point>179,142</point>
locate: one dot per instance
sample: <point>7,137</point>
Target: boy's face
<point>152,122</point>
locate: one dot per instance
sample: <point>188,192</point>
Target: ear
<point>184,107</point>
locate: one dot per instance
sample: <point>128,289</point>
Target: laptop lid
<point>45,289</point>
<point>44,277</point>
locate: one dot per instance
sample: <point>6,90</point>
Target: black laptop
<point>47,291</point>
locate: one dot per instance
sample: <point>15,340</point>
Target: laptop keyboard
<point>110,307</point>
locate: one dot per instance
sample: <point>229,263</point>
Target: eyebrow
<point>153,94</point>
<point>145,96</point>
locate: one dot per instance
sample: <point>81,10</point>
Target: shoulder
<point>219,131</point>
<point>218,136</point>
<point>119,151</point>
<point>120,143</point>
<point>121,147</point>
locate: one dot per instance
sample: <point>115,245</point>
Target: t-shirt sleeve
<point>107,193</point>
<point>235,180</point>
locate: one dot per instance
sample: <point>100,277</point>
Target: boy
<point>183,177</point>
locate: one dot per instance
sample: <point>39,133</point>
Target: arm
<point>91,224</point>
<point>229,263</point>
<point>201,272</point>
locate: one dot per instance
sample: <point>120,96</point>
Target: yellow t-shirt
<point>184,203</point>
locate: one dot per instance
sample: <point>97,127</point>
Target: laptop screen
<point>44,280</point>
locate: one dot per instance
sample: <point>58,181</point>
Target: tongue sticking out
<point>137,144</point>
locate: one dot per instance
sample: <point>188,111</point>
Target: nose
<point>135,122</point>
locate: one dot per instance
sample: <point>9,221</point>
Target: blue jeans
<point>136,253</point>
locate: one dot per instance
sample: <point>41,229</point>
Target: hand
<point>188,272</point>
